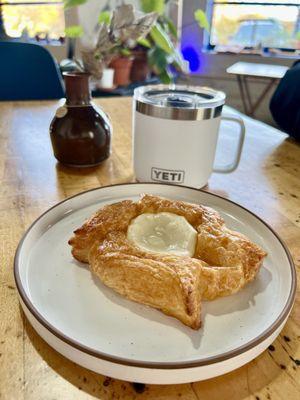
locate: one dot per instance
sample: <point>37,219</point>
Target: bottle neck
<point>77,88</point>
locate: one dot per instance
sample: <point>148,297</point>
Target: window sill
<point>271,54</point>
<point>42,42</point>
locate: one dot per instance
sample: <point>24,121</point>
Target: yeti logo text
<point>167,175</point>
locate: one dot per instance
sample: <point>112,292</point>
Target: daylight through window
<point>252,24</point>
<point>40,20</point>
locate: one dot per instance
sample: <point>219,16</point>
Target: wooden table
<point>267,72</point>
<point>267,182</point>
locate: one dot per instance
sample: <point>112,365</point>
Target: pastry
<point>167,282</point>
<point>167,254</point>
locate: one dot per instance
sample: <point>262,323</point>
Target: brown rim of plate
<point>152,364</point>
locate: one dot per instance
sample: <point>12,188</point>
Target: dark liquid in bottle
<point>80,132</point>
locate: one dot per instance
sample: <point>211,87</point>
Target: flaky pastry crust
<point>224,260</point>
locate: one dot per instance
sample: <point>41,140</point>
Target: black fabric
<point>285,103</point>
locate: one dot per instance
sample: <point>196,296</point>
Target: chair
<point>28,72</point>
<point>285,102</point>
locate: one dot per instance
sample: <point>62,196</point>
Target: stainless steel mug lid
<point>179,102</point>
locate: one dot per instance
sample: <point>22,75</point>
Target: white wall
<point>88,16</point>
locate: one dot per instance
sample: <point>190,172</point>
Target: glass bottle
<point>80,132</point>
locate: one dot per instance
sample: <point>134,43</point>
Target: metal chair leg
<point>248,96</point>
<point>241,87</point>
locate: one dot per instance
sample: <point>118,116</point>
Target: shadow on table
<point>76,171</point>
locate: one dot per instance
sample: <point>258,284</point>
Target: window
<point>255,23</point>
<point>39,20</point>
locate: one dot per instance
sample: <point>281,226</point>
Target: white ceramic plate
<point>95,327</point>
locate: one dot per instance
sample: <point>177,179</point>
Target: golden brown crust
<point>166,282</point>
<point>221,247</point>
<point>224,260</point>
<point>221,281</point>
<point>117,216</point>
<point>110,218</point>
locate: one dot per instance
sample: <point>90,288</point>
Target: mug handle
<point>232,166</point>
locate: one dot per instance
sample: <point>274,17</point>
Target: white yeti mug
<point>175,134</point>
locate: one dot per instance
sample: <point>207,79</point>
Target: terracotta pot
<point>122,67</point>
<point>140,69</point>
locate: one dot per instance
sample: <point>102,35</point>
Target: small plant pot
<point>122,68</point>
<point>107,80</point>
<point>140,69</point>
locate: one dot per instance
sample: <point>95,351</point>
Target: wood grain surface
<point>267,182</point>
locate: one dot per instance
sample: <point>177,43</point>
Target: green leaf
<point>153,6</point>
<point>201,18</point>
<point>171,27</point>
<point>74,31</point>
<point>157,59</point>
<point>298,35</point>
<point>178,61</point>
<point>165,77</point>
<point>144,42</point>
<point>104,16</point>
<point>73,3</point>
<point>161,39</point>
<point>125,52</point>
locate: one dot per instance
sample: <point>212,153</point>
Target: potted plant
<point>116,33</point>
<point>140,69</point>
<point>121,64</point>
<point>155,50</point>
<point>158,52</point>
<point>122,55</point>
<point>159,49</point>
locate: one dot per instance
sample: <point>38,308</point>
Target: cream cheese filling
<point>164,233</point>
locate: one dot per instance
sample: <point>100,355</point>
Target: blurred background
<point>253,31</point>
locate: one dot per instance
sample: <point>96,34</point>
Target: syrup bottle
<point>80,132</point>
